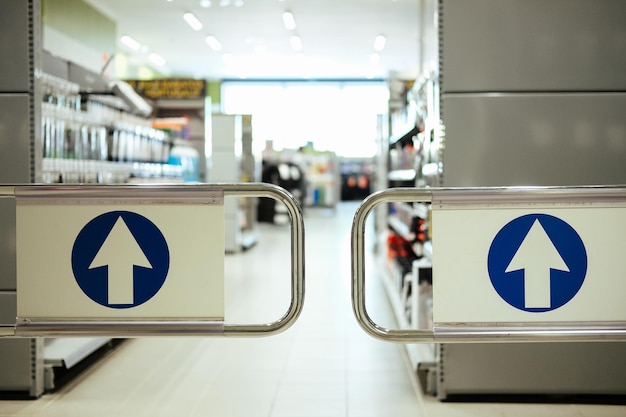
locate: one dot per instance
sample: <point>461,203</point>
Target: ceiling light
<point>238,3</point>
<point>296,43</point>
<point>213,43</point>
<point>130,42</point>
<point>192,21</point>
<point>289,20</point>
<point>156,59</point>
<point>205,3</point>
<point>379,43</point>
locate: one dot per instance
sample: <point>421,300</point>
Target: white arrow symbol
<point>120,252</point>
<point>536,256</point>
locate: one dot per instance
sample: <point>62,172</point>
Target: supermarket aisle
<point>324,366</point>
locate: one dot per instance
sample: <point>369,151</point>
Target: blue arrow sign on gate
<point>537,262</point>
<point>120,259</point>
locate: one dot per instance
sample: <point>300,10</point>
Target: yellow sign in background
<point>170,88</point>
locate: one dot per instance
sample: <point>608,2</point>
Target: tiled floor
<point>324,366</point>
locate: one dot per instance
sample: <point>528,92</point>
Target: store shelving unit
<point>321,172</point>
<point>357,178</point>
<point>413,160</point>
<point>406,272</point>
<point>233,160</point>
<point>58,123</point>
<point>94,138</point>
<point>312,176</point>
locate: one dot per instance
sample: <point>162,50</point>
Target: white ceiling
<point>337,36</point>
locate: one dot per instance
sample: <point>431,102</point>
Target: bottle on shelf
<point>86,139</point>
<point>188,158</point>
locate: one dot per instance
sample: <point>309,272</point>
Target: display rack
<point>357,178</point>
<point>321,173</point>
<point>60,123</point>
<point>312,176</point>
<point>407,273</point>
<point>413,160</point>
<point>233,160</point>
<point>92,138</point>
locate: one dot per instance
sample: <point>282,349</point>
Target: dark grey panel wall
<point>7,245</point>
<point>535,139</point>
<point>534,45</point>
<point>14,48</point>
<point>15,159</point>
<point>544,368</point>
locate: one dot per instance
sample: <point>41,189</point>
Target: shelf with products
<point>357,176</point>
<point>321,174</point>
<point>183,154</point>
<point>414,150</point>
<point>402,159</point>
<point>312,176</point>
<point>234,159</point>
<point>407,271</point>
<point>91,138</point>
<point>431,137</point>
<point>414,161</point>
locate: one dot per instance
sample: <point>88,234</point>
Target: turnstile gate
<point>514,264</point>
<point>133,260</point>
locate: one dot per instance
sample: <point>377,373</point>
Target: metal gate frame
<point>131,328</point>
<point>510,332</point>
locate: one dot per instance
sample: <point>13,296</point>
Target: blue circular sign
<point>537,263</point>
<point>120,259</point>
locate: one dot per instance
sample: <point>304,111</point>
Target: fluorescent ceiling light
<point>192,21</point>
<point>379,43</point>
<point>130,42</point>
<point>296,43</point>
<point>213,43</point>
<point>156,59</point>
<point>374,59</point>
<point>289,20</point>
